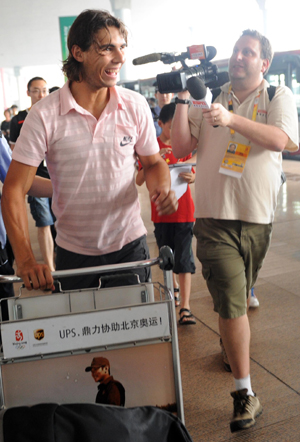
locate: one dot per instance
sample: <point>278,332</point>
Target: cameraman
<point>235,211</point>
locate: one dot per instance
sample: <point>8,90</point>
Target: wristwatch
<point>180,101</point>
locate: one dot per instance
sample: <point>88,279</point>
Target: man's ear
<point>77,53</point>
<point>265,65</point>
<point>159,122</point>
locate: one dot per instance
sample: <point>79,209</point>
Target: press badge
<point>234,161</point>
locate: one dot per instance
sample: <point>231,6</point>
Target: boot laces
<point>242,405</point>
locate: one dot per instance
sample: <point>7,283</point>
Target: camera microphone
<point>199,52</point>
<point>150,58</point>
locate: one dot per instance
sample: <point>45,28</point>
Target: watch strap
<point>180,101</point>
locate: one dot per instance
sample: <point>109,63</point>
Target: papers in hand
<point>177,183</point>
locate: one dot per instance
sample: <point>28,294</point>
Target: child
<point>176,230</point>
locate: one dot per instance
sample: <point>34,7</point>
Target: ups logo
<point>39,334</point>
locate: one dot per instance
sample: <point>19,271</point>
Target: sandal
<point>186,319</point>
<point>176,298</point>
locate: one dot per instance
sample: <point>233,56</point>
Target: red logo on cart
<point>19,335</point>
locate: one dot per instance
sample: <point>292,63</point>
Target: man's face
<point>7,115</point>
<point>37,90</point>
<point>103,60</point>
<point>99,373</point>
<point>246,62</point>
<point>163,99</point>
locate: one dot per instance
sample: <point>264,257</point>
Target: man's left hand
<point>217,115</point>
<point>165,202</point>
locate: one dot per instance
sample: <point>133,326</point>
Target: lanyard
<point>230,106</point>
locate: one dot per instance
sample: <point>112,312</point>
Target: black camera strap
<point>216,92</point>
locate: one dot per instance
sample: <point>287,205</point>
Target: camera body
<point>176,81</point>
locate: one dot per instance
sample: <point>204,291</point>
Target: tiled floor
<point>275,347</point>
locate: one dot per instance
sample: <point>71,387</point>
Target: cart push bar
<point>165,260</point>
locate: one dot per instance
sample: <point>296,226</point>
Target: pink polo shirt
<point>92,166</point>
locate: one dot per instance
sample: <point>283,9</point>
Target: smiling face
<point>102,62</point>
<point>246,63</point>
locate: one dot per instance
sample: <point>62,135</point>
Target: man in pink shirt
<point>90,132</point>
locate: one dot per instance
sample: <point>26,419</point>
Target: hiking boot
<point>225,358</point>
<point>246,409</point>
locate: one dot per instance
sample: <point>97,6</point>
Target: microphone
<point>150,58</point>
<point>201,95</point>
<point>196,88</point>
<point>221,78</point>
<point>200,52</point>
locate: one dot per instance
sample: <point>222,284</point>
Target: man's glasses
<point>39,91</point>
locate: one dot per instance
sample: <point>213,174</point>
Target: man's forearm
<point>41,188</point>
<point>157,176</point>
<point>16,223</point>
<point>181,139</point>
<point>269,137</point>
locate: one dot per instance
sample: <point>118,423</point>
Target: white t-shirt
<point>253,197</point>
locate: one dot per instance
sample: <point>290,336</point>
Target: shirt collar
<point>68,102</point>
<point>263,85</point>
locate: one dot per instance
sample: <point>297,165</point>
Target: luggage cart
<point>49,340</point>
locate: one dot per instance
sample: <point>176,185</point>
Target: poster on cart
<point>84,330</point>
<point>133,376</point>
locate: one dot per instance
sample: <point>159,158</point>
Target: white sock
<point>240,384</point>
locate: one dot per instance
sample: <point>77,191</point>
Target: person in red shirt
<point>176,230</point>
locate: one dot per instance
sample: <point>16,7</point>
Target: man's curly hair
<point>82,33</point>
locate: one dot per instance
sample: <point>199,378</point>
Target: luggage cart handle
<point>165,262</point>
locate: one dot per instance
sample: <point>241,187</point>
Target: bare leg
<point>185,282</point>
<point>235,334</point>
<point>175,282</point>
<point>46,246</point>
<point>176,291</point>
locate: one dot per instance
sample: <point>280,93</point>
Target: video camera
<point>176,81</point>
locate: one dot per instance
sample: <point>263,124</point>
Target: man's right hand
<point>35,276</point>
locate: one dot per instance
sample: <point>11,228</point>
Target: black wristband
<point>179,101</point>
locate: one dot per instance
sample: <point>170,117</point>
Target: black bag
<point>91,423</point>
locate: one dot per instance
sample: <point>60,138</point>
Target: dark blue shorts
<point>136,250</point>
<point>41,212</point>
<point>179,237</point>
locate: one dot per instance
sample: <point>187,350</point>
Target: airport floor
<point>275,348</point>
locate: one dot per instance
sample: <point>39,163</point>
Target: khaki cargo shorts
<point>231,254</point>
